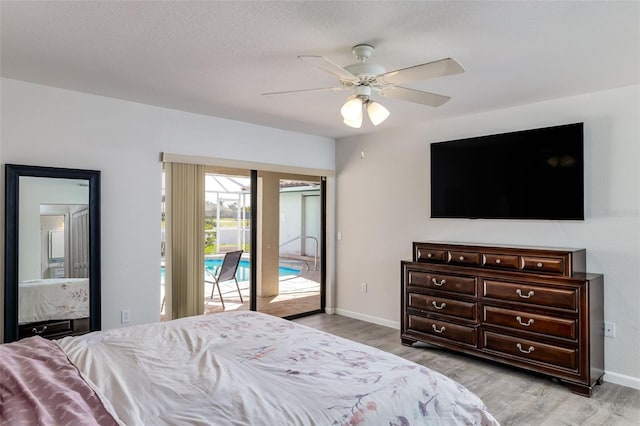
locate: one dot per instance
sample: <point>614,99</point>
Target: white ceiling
<point>216,58</point>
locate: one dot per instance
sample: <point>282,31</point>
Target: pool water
<point>243,273</point>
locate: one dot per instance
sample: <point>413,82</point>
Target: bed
<point>232,368</point>
<point>53,299</point>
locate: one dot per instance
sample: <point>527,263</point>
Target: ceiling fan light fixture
<point>352,109</point>
<point>356,123</point>
<point>377,113</point>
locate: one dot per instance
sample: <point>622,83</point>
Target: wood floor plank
<point>513,396</point>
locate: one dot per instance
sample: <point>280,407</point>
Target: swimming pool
<point>243,273</point>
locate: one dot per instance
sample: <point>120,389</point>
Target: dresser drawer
<point>553,265</point>
<point>563,298</point>
<point>54,329</point>
<point>427,254</point>
<point>46,329</point>
<point>81,326</point>
<point>531,350</point>
<point>501,261</point>
<point>518,320</point>
<point>537,260</point>
<point>444,306</point>
<point>464,258</point>
<point>456,284</point>
<point>443,329</point>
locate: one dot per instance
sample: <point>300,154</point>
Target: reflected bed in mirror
<point>52,251</point>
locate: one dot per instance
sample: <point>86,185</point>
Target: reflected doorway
<point>64,235</point>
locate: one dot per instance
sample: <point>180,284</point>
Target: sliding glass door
<point>227,241</point>
<point>291,275</point>
<point>269,228</point>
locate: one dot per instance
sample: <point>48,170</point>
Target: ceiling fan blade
<point>415,96</point>
<point>329,66</point>
<point>294,92</point>
<point>426,71</point>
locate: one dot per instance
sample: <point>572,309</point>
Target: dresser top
<point>497,245</point>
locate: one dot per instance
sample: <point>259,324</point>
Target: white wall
<point>383,205</point>
<point>47,126</point>
<point>292,222</point>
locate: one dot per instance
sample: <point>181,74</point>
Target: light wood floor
<point>513,397</point>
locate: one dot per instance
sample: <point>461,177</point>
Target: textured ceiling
<point>216,58</point>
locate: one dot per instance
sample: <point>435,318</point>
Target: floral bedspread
<point>53,299</point>
<point>247,368</point>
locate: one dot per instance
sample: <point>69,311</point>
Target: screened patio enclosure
<point>227,213</point>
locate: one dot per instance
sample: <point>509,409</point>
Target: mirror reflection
<point>53,246</point>
<point>56,245</point>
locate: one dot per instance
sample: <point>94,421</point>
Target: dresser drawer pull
<point>531,293</point>
<point>429,255</point>
<point>435,305</point>
<point>35,330</point>
<point>531,349</point>
<point>526,324</point>
<point>539,265</point>
<point>498,261</point>
<point>442,329</point>
<point>441,283</point>
<point>461,258</point>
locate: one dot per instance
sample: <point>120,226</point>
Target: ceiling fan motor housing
<point>365,69</point>
<point>363,51</point>
<point>363,92</point>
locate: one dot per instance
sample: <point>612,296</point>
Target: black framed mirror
<point>52,251</point>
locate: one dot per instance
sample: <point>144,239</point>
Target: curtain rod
<point>166,157</point>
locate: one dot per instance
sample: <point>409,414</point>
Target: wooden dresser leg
<point>408,342</point>
<point>583,390</point>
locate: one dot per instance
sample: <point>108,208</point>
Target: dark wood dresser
<point>533,308</point>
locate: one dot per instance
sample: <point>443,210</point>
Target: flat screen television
<point>530,174</point>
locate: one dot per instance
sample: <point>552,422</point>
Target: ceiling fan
<point>365,78</point>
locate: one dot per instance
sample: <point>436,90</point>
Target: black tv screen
<point>530,174</point>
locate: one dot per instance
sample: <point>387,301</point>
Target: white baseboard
<point>368,318</point>
<point>621,379</point>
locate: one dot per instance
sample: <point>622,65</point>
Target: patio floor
<point>297,294</point>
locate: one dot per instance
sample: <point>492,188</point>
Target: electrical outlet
<point>609,329</point>
<point>125,316</point>
<point>363,287</point>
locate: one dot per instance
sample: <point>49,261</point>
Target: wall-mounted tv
<point>530,174</point>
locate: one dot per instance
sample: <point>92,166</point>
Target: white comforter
<point>247,368</point>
